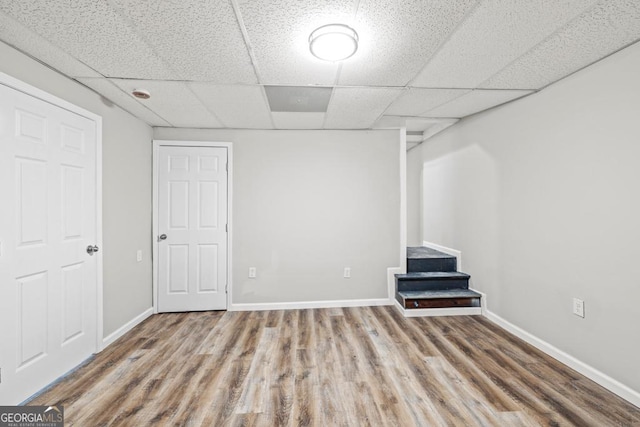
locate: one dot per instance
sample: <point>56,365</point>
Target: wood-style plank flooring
<point>329,367</point>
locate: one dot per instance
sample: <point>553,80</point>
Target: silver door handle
<point>162,237</point>
<point>92,249</point>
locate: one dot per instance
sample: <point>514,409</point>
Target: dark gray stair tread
<point>450,293</point>
<point>433,275</point>
<point>422,252</point>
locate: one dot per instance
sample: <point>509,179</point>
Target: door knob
<point>162,237</point>
<point>92,249</point>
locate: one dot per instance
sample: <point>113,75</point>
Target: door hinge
<point>226,228</point>
<point>227,166</point>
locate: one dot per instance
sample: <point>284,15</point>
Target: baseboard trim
<point>446,250</point>
<point>309,304</point>
<point>483,301</point>
<point>432,312</point>
<point>111,338</point>
<point>588,371</point>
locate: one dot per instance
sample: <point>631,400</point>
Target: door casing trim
<point>157,143</point>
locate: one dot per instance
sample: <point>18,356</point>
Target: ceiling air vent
<point>298,99</point>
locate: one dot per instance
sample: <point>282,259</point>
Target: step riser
<point>440,303</point>
<point>431,264</point>
<point>431,285</point>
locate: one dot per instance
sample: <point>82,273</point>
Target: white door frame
<point>157,143</point>
<point>27,89</point>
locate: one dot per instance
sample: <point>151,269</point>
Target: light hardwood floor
<point>329,367</point>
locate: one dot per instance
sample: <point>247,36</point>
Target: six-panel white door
<point>48,281</point>
<point>192,228</point>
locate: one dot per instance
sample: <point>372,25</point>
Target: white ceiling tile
<point>298,120</point>
<point>416,101</point>
<point>239,107</point>
<point>606,28</point>
<point>436,128</point>
<point>358,108</point>
<point>279,32</point>
<point>174,101</point>
<point>390,122</point>
<point>17,35</point>
<point>127,102</point>
<point>396,38</point>
<point>92,32</point>
<point>475,101</point>
<point>494,35</point>
<point>199,39</point>
<point>427,125</point>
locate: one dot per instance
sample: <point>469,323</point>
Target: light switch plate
<point>578,307</point>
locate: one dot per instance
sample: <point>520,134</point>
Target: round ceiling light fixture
<point>141,94</point>
<point>333,42</point>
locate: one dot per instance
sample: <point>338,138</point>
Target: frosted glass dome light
<point>333,42</point>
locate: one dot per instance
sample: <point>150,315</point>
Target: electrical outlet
<point>252,272</point>
<point>347,272</point>
<point>139,256</point>
<point>578,307</point>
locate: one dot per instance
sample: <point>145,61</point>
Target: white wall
<point>126,189</point>
<point>307,204</point>
<point>542,198</point>
<point>414,198</point>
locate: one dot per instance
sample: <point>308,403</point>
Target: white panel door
<point>192,225</point>
<point>48,281</point>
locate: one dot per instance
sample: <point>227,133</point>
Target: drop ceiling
<point>421,64</point>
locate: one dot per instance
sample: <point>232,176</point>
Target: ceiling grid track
<point>252,57</point>
<point>588,65</point>
<point>245,36</point>
<point>204,104</point>
<point>445,41</point>
<point>540,43</point>
<point>134,29</point>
